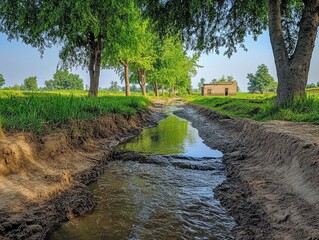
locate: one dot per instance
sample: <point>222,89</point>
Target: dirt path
<point>272,184</point>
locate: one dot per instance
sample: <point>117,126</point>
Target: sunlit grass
<point>35,111</point>
<point>261,107</point>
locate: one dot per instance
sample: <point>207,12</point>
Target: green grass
<point>261,107</point>
<point>35,112</point>
<point>78,93</point>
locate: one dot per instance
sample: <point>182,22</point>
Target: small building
<point>219,89</point>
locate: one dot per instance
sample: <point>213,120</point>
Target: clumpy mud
<point>272,181</point>
<point>43,178</point>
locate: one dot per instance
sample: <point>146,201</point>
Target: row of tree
<point>62,79</point>
<point>102,34</point>
<point>89,31</point>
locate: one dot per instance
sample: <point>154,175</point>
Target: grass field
<point>26,111</point>
<point>261,107</point>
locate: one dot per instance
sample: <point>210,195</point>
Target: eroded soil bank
<point>271,188</point>
<point>272,182</point>
<point>43,178</point>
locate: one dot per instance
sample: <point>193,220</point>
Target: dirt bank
<point>43,178</point>
<point>272,183</point>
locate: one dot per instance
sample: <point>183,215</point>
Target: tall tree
<point>209,25</point>
<point>260,81</point>
<point>201,83</point>
<point>62,79</point>
<point>81,27</point>
<point>131,43</point>
<point>2,80</point>
<point>30,83</point>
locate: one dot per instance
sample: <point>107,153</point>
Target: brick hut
<point>220,89</point>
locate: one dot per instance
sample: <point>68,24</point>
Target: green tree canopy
<point>261,81</point>
<point>81,27</point>
<point>114,86</point>
<point>173,68</point>
<point>62,79</point>
<point>30,84</point>
<point>209,25</point>
<point>201,83</point>
<point>131,43</point>
<point>2,80</point>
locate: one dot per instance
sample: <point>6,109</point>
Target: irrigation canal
<point>159,186</point>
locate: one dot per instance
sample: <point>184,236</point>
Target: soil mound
<point>43,178</point>
<point>272,183</point>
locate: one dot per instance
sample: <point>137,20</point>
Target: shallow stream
<point>169,197</point>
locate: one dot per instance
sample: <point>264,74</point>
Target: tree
<point>2,80</point>
<point>173,68</point>
<point>114,86</point>
<point>30,83</point>
<point>131,42</point>
<point>201,83</point>
<point>223,79</point>
<point>261,81</point>
<point>209,25</point>
<point>62,79</point>
<point>81,27</point>
<point>311,85</point>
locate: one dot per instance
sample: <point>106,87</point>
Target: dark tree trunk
<point>95,63</point>
<point>142,76</point>
<point>156,88</point>
<point>292,71</point>
<point>126,77</point>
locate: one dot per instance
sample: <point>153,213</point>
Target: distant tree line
<point>62,80</point>
<point>312,85</point>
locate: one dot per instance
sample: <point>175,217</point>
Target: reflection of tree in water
<point>167,138</point>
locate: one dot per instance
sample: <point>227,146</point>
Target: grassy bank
<point>36,112</point>
<point>260,107</point>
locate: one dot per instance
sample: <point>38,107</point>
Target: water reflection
<point>158,201</point>
<point>173,135</point>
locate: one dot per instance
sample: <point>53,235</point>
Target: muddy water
<point>158,201</point>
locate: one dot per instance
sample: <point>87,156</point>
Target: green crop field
<point>261,107</point>
<point>27,111</point>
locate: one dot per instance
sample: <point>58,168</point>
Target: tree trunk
<point>142,76</point>
<point>126,77</point>
<point>292,71</point>
<point>156,88</point>
<point>162,90</point>
<point>95,63</point>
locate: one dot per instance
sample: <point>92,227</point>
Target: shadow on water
<point>169,197</point>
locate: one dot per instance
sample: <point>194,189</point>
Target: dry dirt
<point>43,178</point>
<point>272,182</point>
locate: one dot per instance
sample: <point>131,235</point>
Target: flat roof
<point>220,83</point>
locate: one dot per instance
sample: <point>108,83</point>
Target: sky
<point>19,61</point>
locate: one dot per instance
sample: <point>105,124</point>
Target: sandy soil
<point>272,183</point>
<point>43,178</point>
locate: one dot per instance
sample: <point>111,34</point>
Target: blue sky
<point>19,61</point>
